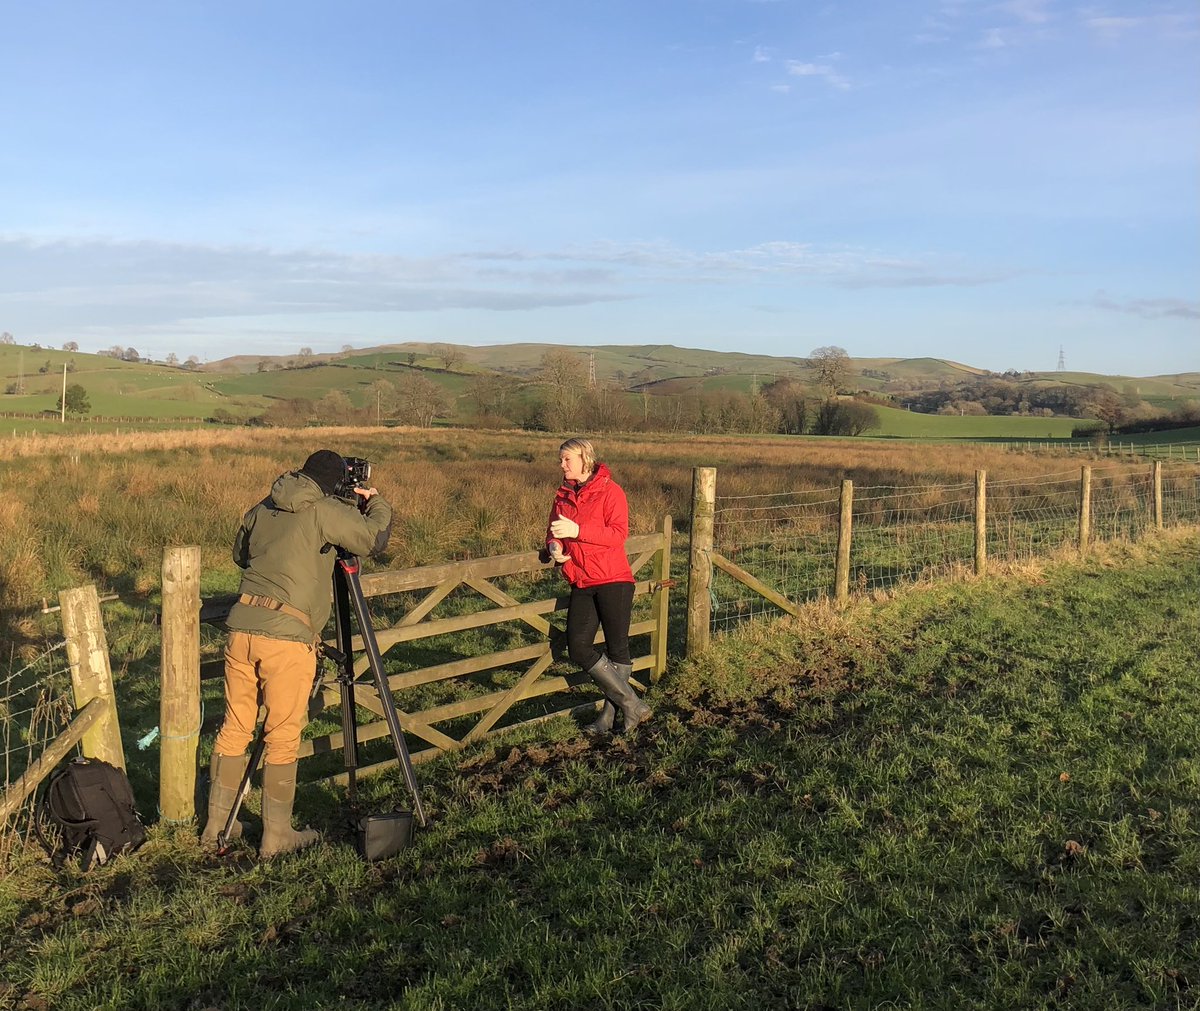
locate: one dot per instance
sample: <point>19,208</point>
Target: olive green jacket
<point>282,551</point>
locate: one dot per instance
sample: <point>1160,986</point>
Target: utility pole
<point>63,418</point>
<point>1062,359</point>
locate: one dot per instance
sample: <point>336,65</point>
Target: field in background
<point>245,386</point>
<point>102,508</point>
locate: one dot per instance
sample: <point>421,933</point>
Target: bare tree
<point>448,355</point>
<point>833,366</point>
<point>422,401</point>
<point>563,374</point>
<point>336,407</point>
<point>7,338</point>
<point>71,346</point>
<point>492,394</point>
<point>384,401</point>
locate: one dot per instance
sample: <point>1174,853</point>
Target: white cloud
<point>822,70</point>
<point>761,55</point>
<point>1149,308</point>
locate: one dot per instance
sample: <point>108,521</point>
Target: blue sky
<point>985,182</point>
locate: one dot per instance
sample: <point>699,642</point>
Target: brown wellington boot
<point>278,796</point>
<point>225,776</point>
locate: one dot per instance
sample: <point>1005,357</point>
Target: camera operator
<point>284,548</point>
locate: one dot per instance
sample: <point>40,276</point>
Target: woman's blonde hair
<point>583,447</point>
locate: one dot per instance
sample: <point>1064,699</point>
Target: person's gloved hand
<point>563,527</point>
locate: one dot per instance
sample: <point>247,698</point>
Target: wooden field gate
<point>646,551</point>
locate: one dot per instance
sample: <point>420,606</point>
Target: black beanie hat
<point>327,468</point>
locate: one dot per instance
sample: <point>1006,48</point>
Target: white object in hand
<point>563,527</point>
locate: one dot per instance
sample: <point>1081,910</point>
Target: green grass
<point>898,423</point>
<point>977,796</point>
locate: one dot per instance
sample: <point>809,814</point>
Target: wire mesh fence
<point>35,707</point>
<point>901,534</point>
<point>786,539</point>
<point>1029,519</point>
<point>904,534</point>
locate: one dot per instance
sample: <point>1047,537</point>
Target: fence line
<point>765,554</point>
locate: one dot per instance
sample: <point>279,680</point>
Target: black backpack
<point>91,804</point>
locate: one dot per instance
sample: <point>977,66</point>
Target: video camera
<point>358,475</point>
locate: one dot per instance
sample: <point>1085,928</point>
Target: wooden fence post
<point>179,706</point>
<point>1158,510</point>
<point>1085,507</point>
<point>700,569</point>
<point>841,579</point>
<point>91,675</point>
<point>661,605</point>
<point>980,522</point>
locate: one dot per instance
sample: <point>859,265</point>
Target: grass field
<point>978,795</point>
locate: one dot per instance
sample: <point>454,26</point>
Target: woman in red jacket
<point>586,536</point>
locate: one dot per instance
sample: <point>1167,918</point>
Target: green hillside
<point>246,385</point>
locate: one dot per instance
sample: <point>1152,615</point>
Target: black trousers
<point>610,605</point>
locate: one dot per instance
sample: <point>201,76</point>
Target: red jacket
<point>602,512</point>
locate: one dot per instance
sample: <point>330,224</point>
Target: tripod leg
<point>348,567</point>
<point>223,837</point>
<point>341,603</point>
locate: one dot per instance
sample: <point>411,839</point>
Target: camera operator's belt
<point>271,604</point>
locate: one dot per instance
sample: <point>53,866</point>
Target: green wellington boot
<point>278,796</point>
<point>225,775</point>
<point>613,680</point>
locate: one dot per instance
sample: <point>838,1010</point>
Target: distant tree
<point>172,358</point>
<point>347,348</point>
<point>6,338</point>
<point>449,355</point>
<point>71,365</point>
<point>1108,407</point>
<point>192,362</point>
<point>131,355</point>
<point>306,352</point>
<point>565,380</point>
<point>335,407</point>
<point>411,358</point>
<point>384,401</point>
<point>45,367</point>
<point>833,366</point>
<point>787,397</point>
<point>845,417</point>
<point>71,346</point>
<point>421,400</point>
<point>491,395</point>
<point>77,400</point>
<point>263,365</point>
<point>116,351</point>
<point>292,413</point>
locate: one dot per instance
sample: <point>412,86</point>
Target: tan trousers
<point>283,672</point>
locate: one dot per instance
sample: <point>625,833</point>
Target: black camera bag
<point>91,804</point>
<point>383,835</point>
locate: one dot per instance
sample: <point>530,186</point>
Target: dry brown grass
<point>102,507</point>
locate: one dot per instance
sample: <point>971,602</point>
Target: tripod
<point>347,593</point>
